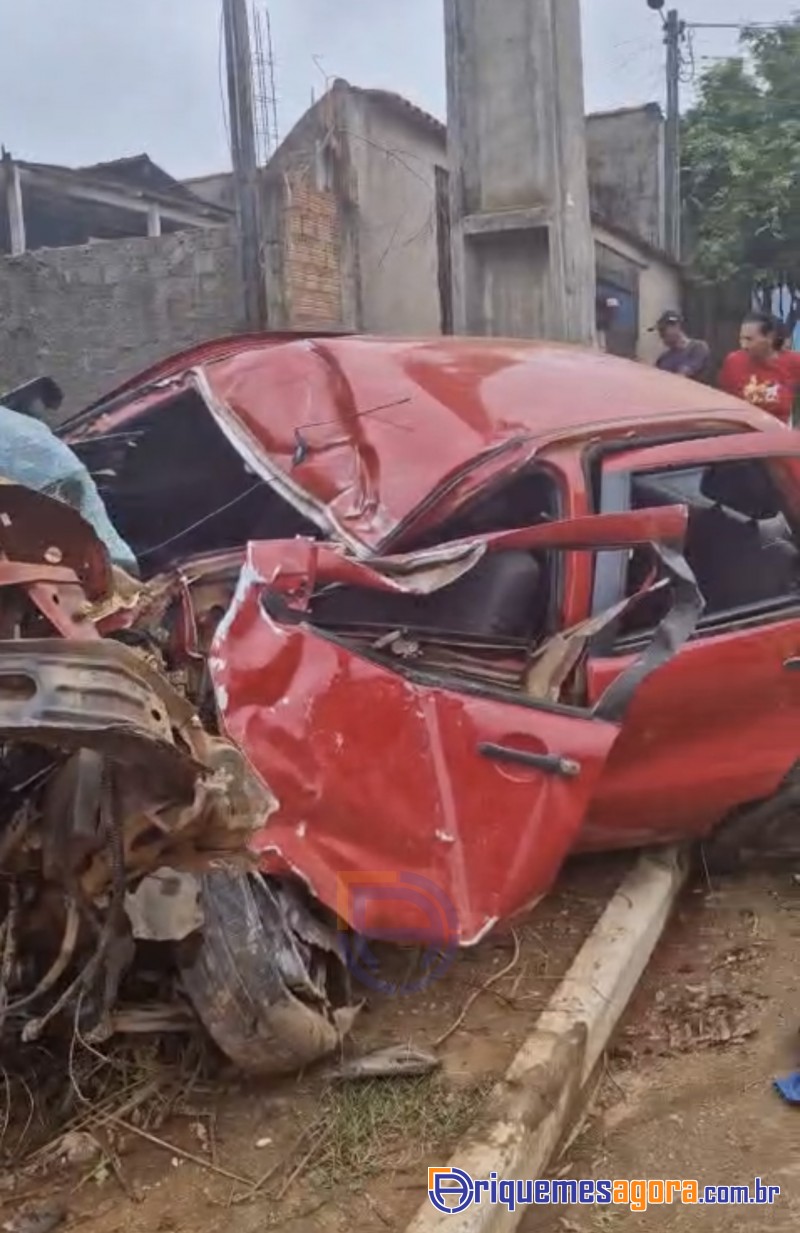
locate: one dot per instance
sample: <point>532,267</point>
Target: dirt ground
<point>688,1091</point>
<point>327,1157</point>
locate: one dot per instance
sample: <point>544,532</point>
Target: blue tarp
<point>32,455</point>
<point>789,1087</point>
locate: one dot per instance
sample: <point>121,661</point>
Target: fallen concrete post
<point>532,1107</point>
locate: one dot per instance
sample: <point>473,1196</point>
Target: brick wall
<point>95,315</point>
<point>312,260</point>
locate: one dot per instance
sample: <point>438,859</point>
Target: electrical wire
<point>148,552</point>
<point>763,96</point>
<point>743,25</point>
<point>220,60</point>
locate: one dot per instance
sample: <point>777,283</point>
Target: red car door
<point>718,726</point>
<point>440,799</point>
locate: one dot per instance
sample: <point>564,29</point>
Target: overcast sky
<point>100,79</point>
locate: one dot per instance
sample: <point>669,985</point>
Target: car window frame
<point>610,567</point>
<point>556,561</point>
<point>662,641</point>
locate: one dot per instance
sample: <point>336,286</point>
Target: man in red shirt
<point>761,372</point>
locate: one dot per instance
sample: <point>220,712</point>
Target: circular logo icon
<point>450,1190</point>
<point>403,909</point>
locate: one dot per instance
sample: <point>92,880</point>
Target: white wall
<point>395,160</point>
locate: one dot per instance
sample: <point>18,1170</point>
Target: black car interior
<point>740,544</point>
<point>506,596</point>
<point>173,486</point>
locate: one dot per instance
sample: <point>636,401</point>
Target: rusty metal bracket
<point>56,591</point>
<point>37,528</point>
<point>95,693</point>
<point>64,607</point>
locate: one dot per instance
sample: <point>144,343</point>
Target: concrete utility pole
<point>245,163</point>
<point>673,33</point>
<point>523,251</point>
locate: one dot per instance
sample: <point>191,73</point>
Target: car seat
<point>735,564</point>
<point>506,595</point>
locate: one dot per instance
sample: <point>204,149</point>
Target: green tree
<point>741,176</point>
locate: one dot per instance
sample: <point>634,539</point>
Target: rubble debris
<point>77,1147</point>
<point>151,1020</point>
<point>116,802</point>
<point>165,907</point>
<point>398,1061</point>
<point>690,1017</point>
<point>41,1219</point>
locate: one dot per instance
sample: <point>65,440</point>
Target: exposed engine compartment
<point>118,800</point>
<point>175,487</point>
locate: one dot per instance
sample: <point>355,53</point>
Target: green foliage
<point>741,159</point>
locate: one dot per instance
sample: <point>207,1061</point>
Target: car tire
<point>762,835</point>
<point>235,975</point>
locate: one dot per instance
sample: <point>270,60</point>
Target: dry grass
<point>389,1126</point>
<point>357,1131</point>
<point>47,1094</point>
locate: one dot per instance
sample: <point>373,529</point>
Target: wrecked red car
<point>466,606</point>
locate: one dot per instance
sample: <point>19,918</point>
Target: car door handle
<point>792,665</point>
<point>551,764</point>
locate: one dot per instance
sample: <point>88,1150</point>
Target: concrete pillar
<point>523,252</point>
<point>154,222</point>
<point>14,207</point>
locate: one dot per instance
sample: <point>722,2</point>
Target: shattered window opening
<point>484,626</point>
<point>175,487</point>
<point>530,497</point>
<point>535,667</point>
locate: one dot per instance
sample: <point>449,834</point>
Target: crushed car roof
<point>367,431</point>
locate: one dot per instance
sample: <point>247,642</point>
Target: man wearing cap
<point>684,356</point>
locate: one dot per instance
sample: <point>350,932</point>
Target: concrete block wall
<point>94,315</point>
<point>625,158</point>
